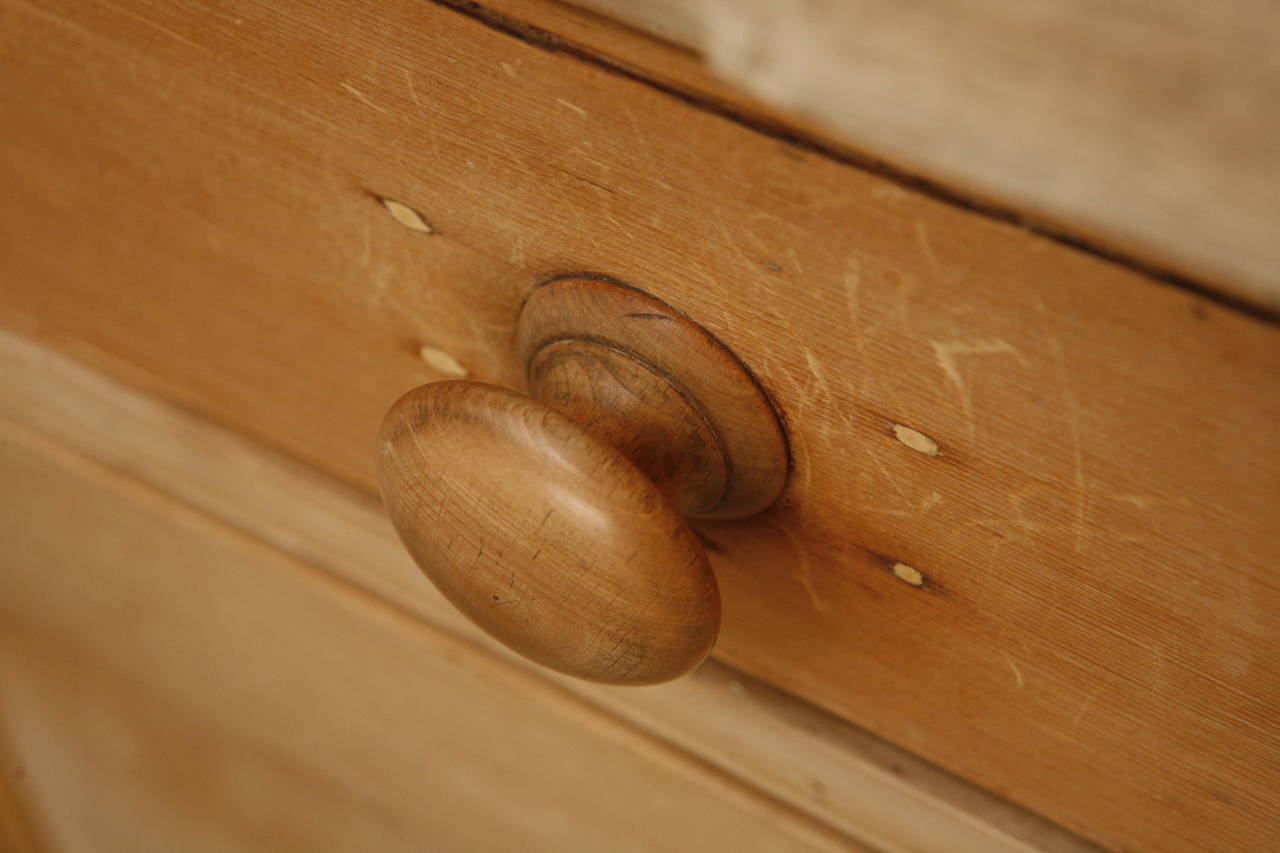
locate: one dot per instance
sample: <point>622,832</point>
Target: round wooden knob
<point>557,524</point>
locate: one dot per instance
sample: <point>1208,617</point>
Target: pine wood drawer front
<point>172,685</point>
<point>1030,531</point>
<point>718,725</point>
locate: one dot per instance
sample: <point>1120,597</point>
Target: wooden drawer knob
<point>556,522</point>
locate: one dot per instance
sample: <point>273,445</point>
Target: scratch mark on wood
<point>1019,529</point>
<point>805,570</point>
<point>1075,723</point>
<point>1069,402</point>
<point>804,464</point>
<point>567,105</point>
<point>147,22</point>
<point>361,98</point>
<point>926,503</point>
<point>748,262</point>
<point>948,354</point>
<point>589,182</point>
<point>862,332</point>
<point>922,237</point>
<point>1017,673</point>
<point>852,283</point>
<point>892,480</point>
<point>820,377</point>
<point>413,93</point>
<point>905,286</point>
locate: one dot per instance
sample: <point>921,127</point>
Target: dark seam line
<point>552,43</point>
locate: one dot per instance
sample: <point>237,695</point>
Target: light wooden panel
<point>1151,125</point>
<point>173,686</point>
<point>816,763</point>
<point>191,205</point>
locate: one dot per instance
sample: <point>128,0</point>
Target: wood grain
<point>817,764</point>
<point>173,686</point>
<point>1093,630</point>
<point>1165,148</point>
<point>549,539</point>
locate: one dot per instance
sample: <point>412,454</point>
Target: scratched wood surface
<point>1030,531</point>
<point>1165,148</point>
<point>811,760</point>
<point>173,685</point>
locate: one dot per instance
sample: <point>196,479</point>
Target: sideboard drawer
<point>172,685</point>
<point>1030,528</point>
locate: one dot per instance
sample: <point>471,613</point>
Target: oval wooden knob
<point>549,539</point>
<point>557,524</point>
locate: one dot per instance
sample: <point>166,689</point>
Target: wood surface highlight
<point>549,539</point>
<point>188,207</point>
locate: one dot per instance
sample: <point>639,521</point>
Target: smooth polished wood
<point>628,406</point>
<point>578,313</point>
<point>811,761</point>
<point>1094,536</point>
<point>172,684</point>
<point>549,539</point>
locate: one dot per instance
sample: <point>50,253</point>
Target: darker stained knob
<point>557,523</point>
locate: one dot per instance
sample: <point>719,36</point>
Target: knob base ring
<point>605,313</point>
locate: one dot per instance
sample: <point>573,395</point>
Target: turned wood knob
<point>556,522</point>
